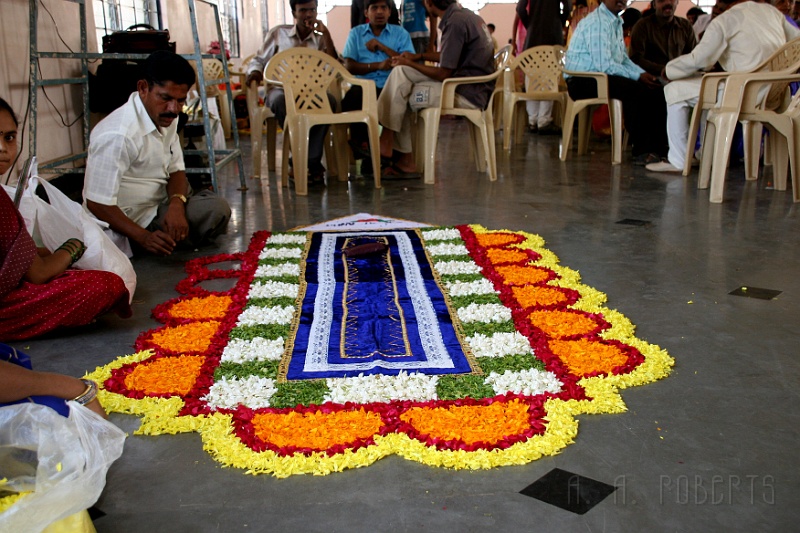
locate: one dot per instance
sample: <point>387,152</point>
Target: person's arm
<point>704,56</point>
<point>434,28</point>
<point>17,383</point>
<point>410,60</point>
<point>327,40</point>
<point>46,267</point>
<point>599,41</point>
<point>157,242</point>
<point>255,70</point>
<point>175,222</point>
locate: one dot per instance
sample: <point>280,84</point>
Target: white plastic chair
<point>502,57</point>
<point>306,76</point>
<point>542,67</point>
<point>213,70</point>
<point>260,115</point>
<point>580,108</point>
<point>481,127</point>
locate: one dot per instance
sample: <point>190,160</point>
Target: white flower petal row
<point>484,313</point>
<point>469,288</point>
<point>255,349</point>
<point>252,391</point>
<point>456,267</point>
<point>441,234</point>
<point>252,316</point>
<point>273,289</point>
<point>499,344</point>
<point>274,271</point>
<point>280,253</point>
<point>287,238</point>
<point>382,388</point>
<point>447,249</point>
<point>529,382</point>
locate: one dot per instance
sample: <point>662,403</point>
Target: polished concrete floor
<point>712,448</point>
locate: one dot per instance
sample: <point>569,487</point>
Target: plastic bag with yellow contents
<point>61,461</point>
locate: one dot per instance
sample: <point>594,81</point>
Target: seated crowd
<point>135,175</point>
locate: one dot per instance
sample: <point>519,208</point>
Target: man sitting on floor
<point>135,178</point>
<point>597,46</point>
<point>741,38</point>
<point>368,54</point>
<point>306,32</point>
<point>466,51</point>
<point>657,39</point>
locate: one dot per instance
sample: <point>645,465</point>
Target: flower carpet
<point>454,347</point>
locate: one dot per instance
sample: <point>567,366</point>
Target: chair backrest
<point>785,59</point>
<point>306,76</point>
<point>503,57</point>
<point>542,66</point>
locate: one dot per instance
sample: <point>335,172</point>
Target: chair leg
<point>520,122</point>
<point>584,130</point>
<point>566,129</point>
<point>725,124</point>
<point>793,135</point>
<point>225,114</point>
<point>272,134</point>
<point>752,134</point>
<point>299,142</point>
<point>508,121</point>
<point>487,133</point>
<point>615,109</point>
<point>255,146</point>
<point>694,127</point>
<point>375,150</point>
<point>704,175</point>
<point>287,148</point>
<point>430,118</point>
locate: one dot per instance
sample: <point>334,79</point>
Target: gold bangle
<point>89,394</point>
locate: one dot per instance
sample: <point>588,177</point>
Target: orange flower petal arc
<point>166,375</point>
<point>531,296</point>
<point>523,275</point>
<point>559,324</point>
<point>316,430</point>
<point>499,255</point>
<point>585,356</point>
<point>212,306</point>
<point>497,239</point>
<point>470,423</point>
<point>194,337</point>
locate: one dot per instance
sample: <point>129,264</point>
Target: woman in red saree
<point>38,291</point>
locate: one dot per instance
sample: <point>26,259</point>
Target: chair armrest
<point>709,87</point>
<point>450,84</point>
<point>600,77</point>
<point>368,90</point>
<point>742,90</point>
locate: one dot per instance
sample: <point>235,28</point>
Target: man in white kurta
<point>739,39</point>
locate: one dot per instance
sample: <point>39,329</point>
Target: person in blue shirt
<point>597,46</point>
<point>414,17</point>
<point>368,54</point>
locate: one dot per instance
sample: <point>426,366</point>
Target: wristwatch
<point>182,197</point>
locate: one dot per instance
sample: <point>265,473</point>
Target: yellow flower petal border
<point>160,415</point>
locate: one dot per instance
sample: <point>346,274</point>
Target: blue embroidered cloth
<point>376,314</point>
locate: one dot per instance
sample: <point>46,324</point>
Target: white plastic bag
<point>62,460</point>
<point>62,219</point>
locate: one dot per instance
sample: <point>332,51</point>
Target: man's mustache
<point>168,115</point>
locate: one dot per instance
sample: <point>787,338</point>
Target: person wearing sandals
<point>413,85</point>
<point>368,54</point>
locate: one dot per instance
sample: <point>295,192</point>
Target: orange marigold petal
<point>585,356</point>
<point>562,323</point>
<point>166,375</point>
<point>531,296</point>
<point>316,430</point>
<point>470,423</point>
<point>211,306</point>
<point>523,274</point>
<point>194,337</point>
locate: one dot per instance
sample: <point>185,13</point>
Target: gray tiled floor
<point>728,415</point>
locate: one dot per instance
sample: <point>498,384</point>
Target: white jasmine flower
<point>253,316</point>
<point>287,238</point>
<point>441,234</point>
<point>484,313</point>
<point>255,349</point>
<point>469,288</point>
<point>273,289</point>
<point>456,267</point>
<point>274,271</point>
<point>529,382</point>
<point>499,344</point>
<point>252,391</point>
<point>447,249</point>
<point>280,253</point>
<point>382,388</point>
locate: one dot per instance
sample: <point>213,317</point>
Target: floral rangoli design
<point>459,347</point>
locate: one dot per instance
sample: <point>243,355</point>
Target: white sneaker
<point>662,166</point>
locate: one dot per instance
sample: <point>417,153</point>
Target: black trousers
<point>351,102</point>
<point>643,109</point>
